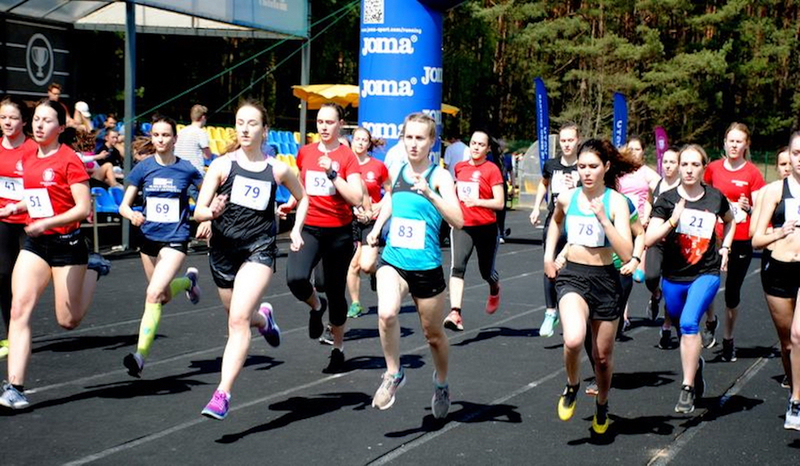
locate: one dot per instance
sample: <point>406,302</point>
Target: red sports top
<point>327,208</point>
<point>374,174</point>
<point>733,184</point>
<point>11,178</point>
<point>477,182</point>
<point>54,174</point>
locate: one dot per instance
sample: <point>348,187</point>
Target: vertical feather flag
<point>661,146</point>
<point>542,122</point>
<point>620,130</point>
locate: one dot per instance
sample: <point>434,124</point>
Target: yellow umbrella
<point>317,94</point>
<point>343,94</point>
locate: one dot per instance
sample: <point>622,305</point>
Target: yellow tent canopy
<point>343,94</point>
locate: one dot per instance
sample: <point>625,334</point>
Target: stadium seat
<point>146,127</point>
<point>117,193</point>
<point>104,201</point>
<point>282,195</point>
<point>297,138</point>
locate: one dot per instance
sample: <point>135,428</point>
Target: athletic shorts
<point>361,230</point>
<point>226,259</point>
<point>152,248</point>
<point>781,279</point>
<point>598,285</point>
<point>421,283</point>
<point>59,250</point>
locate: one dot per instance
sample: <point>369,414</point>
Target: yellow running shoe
<point>600,421</point>
<point>566,403</point>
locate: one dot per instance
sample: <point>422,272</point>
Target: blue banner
<point>620,129</point>
<point>400,67</point>
<point>542,122</point>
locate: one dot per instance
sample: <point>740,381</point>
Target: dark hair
<point>335,106</point>
<point>621,161</point>
<point>54,86</point>
<point>674,148</point>
<point>373,143</point>
<point>494,148</point>
<point>60,111</point>
<point>256,104</point>
<point>159,118</point>
<point>22,107</point>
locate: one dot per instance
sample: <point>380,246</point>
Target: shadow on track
<point>302,408</point>
<point>489,333</point>
<point>469,413</point>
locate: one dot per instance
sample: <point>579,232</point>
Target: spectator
<point>110,123</point>
<point>456,152</point>
<point>396,155</point>
<point>192,142</point>
<point>83,117</point>
<point>54,93</point>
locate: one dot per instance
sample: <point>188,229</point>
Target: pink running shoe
<point>217,408</point>
<point>493,303</point>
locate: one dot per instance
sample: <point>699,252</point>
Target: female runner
<point>480,185</point>
<point>164,180</point>
<point>238,196</point>
<point>597,221</point>
<point>685,218</point>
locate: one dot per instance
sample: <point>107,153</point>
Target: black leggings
<point>463,241</point>
<point>12,236</point>
<point>739,257</point>
<point>652,266</point>
<point>335,247</point>
<point>550,299</point>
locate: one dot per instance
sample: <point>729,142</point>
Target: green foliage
<point>691,67</point>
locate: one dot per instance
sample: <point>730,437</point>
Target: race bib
<point>163,210</point>
<point>792,210</point>
<point>250,193</point>
<point>696,223</point>
<point>407,234</point>
<point>467,189</point>
<point>585,231</point>
<point>318,184</point>
<point>38,201</point>
<point>11,188</point>
<point>739,215</point>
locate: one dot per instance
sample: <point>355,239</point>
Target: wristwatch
<point>332,175</point>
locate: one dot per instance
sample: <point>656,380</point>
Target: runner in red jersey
<point>57,199</point>
<point>332,179</point>
<point>479,184</point>
<point>376,183</point>
<point>739,180</point>
<point>14,115</point>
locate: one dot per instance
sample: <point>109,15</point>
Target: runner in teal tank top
<point>422,195</point>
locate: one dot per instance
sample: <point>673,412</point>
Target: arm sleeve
<point>202,140</point>
<point>547,171</point>
<point>758,179</point>
<point>134,178</point>
<point>76,172</point>
<point>708,175</point>
<point>662,209</point>
<point>495,176</point>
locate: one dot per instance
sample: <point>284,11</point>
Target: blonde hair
<point>422,118</point>
<point>696,148</point>
<point>736,126</point>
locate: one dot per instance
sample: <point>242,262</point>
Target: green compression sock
<point>148,328</point>
<point>179,285</point>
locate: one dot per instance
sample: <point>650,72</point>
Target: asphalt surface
<point>505,381</point>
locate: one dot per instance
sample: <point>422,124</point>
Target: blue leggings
<point>687,301</point>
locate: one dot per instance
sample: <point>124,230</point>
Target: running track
<point>504,378</point>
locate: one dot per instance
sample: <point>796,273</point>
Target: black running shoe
<point>652,307</point>
<point>336,363</point>
<point>728,351</point>
<point>315,325</point>
<point>666,339</point>
<point>707,335</point>
<point>685,400</point>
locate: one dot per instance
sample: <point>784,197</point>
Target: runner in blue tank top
<point>238,197</point>
<point>422,195</point>
<point>164,180</point>
<point>597,223</point>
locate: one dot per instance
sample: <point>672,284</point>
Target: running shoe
<point>600,420</point>
<point>336,363</point>
<point>626,325</point>
<point>548,327</point>
<point>355,311</point>
<point>793,416</point>
<point>566,402</point>
<point>440,402</point>
<point>453,321</point>
<point>493,302</point>
<point>501,240</point>
<point>786,382</point>
<point>652,307</point>
<point>193,293</point>
<point>99,264</point>
<point>384,396</point>
<point>728,350</point>
<point>327,336</point>
<point>685,400</point>
<point>315,325</point>
<point>666,339</point>
<point>699,381</point>
<point>591,389</point>
<point>13,398</point>
<point>217,408</point>
<point>271,331</point>
<point>3,349</point>
<point>134,363</point>
<point>708,334</point>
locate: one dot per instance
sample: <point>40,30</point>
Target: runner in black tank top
<point>238,197</point>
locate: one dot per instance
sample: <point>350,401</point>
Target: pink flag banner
<point>662,143</point>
